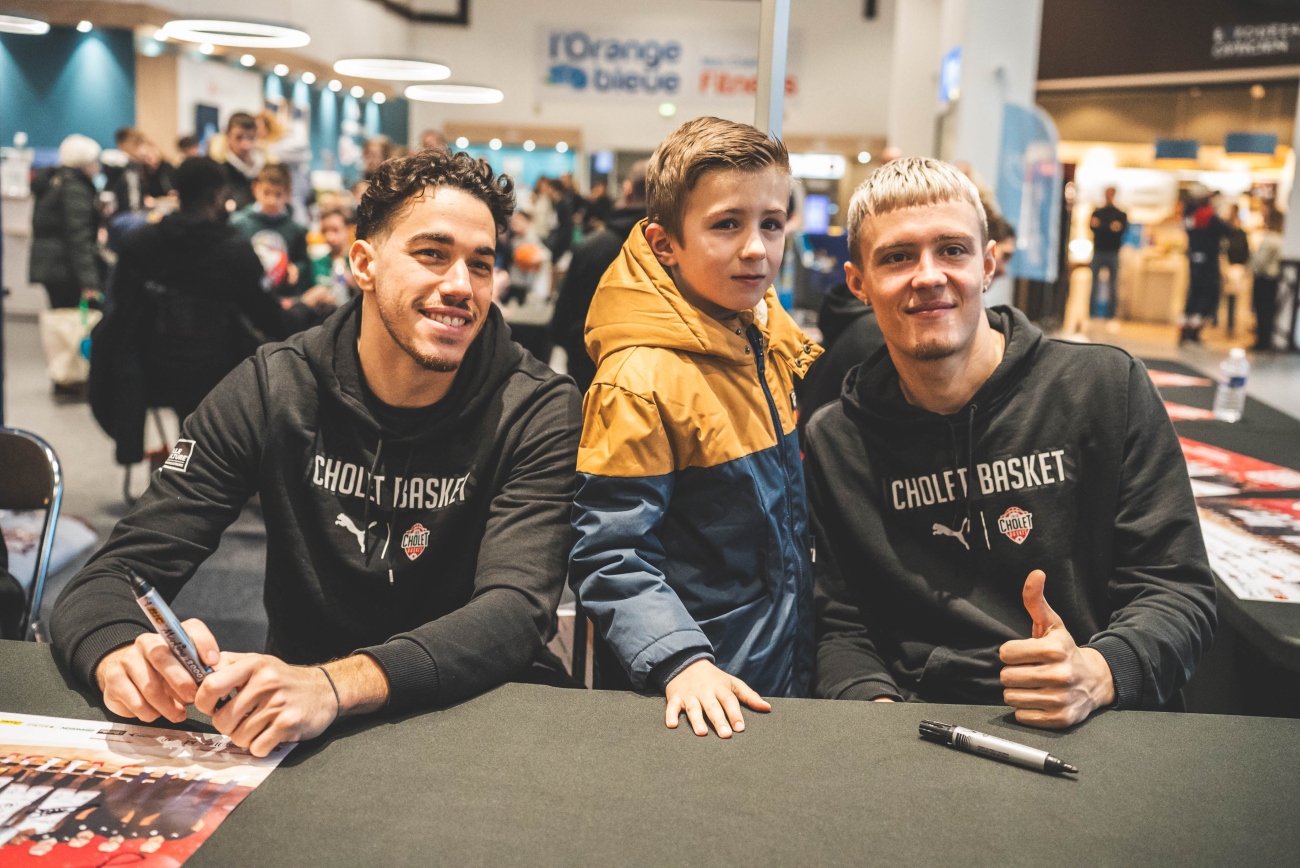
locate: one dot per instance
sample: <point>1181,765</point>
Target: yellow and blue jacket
<point>691,516</point>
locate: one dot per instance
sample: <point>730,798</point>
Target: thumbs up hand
<point>1049,680</point>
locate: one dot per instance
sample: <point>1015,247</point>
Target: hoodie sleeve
<point>848,665</point>
<point>1161,590</point>
<point>172,529</point>
<point>625,483</point>
<point>520,575</point>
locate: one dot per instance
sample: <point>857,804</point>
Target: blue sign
<point>1250,143</point>
<point>1177,149</point>
<point>1029,190</point>
<point>950,76</point>
<point>581,63</point>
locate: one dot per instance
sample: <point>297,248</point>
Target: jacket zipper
<point>756,341</point>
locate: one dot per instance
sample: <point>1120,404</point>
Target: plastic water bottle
<point>1230,397</point>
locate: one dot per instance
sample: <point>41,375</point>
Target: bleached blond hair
<point>908,183</point>
<point>78,151</point>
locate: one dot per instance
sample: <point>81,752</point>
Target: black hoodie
<point>1072,466</point>
<point>449,578</point>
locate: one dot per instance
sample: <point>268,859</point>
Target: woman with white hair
<point>65,225</point>
<point>64,259</point>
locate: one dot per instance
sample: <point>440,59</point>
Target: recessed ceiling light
<point>495,144</point>
<point>529,145</point>
<point>358,91</point>
<point>378,98</point>
<point>462,143</point>
<point>392,69</point>
<point>281,69</point>
<point>864,156</point>
<point>561,146</point>
<point>335,85</point>
<point>667,109</point>
<point>24,25</point>
<point>236,34</point>
<point>462,94</point>
<point>207,48</point>
<point>84,26</point>
<point>247,60</point>
<point>309,77</point>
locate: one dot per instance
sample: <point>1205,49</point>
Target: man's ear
<point>362,256</point>
<point>857,283</point>
<point>990,262</point>
<point>661,244</point>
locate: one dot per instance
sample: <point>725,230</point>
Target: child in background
<point>334,269</point>
<point>692,554</point>
<point>280,242</point>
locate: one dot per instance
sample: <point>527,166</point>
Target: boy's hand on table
<point>1049,680</point>
<point>703,689</point>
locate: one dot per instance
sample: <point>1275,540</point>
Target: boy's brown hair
<point>277,175</point>
<point>699,146</point>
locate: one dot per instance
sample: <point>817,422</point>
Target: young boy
<point>692,553</point>
<point>280,242</point>
<point>334,270</point>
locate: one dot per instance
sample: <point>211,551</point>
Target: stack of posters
<point>1253,541</point>
<point>81,793</point>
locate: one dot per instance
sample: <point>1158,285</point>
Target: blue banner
<point>1029,190</point>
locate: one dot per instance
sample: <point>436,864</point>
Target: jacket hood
<point>638,305</point>
<point>332,356</point>
<point>872,393</point>
<point>621,221</point>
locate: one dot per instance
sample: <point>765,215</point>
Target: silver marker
<point>166,624</point>
<point>992,747</point>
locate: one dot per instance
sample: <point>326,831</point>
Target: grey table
<point>529,775</point>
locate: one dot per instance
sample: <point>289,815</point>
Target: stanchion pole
<point>773,46</point>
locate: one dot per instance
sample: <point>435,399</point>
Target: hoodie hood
<point>872,392</point>
<point>621,221</point>
<point>638,305</point>
<point>331,352</point>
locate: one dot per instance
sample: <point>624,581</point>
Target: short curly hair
<point>397,181</point>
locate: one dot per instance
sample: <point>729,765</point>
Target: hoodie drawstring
<point>365,510</point>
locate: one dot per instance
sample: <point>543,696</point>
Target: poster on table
<point>1183,413</point>
<point>87,793</point>
<point>1254,546</point>
<point>1169,379</point>
<point>1217,472</point>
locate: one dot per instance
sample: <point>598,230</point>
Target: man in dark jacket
<point>184,291</point>
<point>590,259</point>
<point>416,470</point>
<point>977,479</point>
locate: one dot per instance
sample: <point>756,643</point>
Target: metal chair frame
<point>30,626</point>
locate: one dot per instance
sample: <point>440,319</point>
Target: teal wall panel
<point>66,82</point>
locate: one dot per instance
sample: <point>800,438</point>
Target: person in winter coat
<point>692,553</point>
<point>1205,233</point>
<point>998,517</point>
<point>65,225</point>
<point>590,260</point>
<point>416,471</point>
<point>185,291</point>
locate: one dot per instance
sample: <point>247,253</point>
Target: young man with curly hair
<point>416,471</point>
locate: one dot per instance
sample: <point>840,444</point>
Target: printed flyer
<point>1169,379</point>
<point>1184,413</point>
<point>1217,472</point>
<point>86,793</point>
<point>1254,546</point>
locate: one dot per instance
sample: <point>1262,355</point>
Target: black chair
<point>31,479</point>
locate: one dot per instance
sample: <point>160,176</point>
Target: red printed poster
<point>1183,413</point>
<point>1168,379</point>
<point>1254,546</point>
<point>87,793</point>
<point>1217,472</point>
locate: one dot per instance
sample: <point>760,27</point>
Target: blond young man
<point>972,452</point>
<point>692,552</point>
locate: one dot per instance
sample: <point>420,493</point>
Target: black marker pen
<point>166,624</point>
<point>993,747</point>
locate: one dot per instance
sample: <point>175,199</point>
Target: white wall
<point>229,88</point>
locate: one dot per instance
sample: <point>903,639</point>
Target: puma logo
<point>959,534</point>
<point>345,522</point>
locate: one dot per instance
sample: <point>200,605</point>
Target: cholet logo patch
<point>1016,524</point>
<point>415,541</point>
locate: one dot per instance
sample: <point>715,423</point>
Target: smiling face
<point>733,238</point>
<point>924,271</point>
<point>428,281</point>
